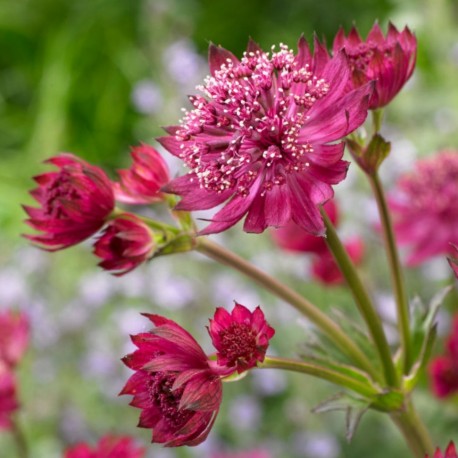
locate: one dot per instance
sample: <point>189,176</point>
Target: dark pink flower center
<point>238,344</point>
<point>249,123</point>
<point>59,191</point>
<point>360,56</point>
<point>167,401</point>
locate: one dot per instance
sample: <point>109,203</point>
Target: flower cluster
<point>14,337</point>
<point>177,386</point>
<point>443,369</point>
<point>420,213</point>
<point>78,200</point>
<point>324,268</point>
<point>107,447</point>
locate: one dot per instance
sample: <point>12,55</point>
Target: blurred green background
<point>96,76</point>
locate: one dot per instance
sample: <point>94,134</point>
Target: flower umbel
<point>74,203</point>
<point>240,337</point>
<point>425,222</point>
<point>390,60</point>
<point>107,447</point>
<point>174,385</point>
<point>264,137</point>
<point>141,183</point>
<point>450,452</point>
<point>125,243</point>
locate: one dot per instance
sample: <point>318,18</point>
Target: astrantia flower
<point>74,203</point>
<point>14,336</point>
<point>390,60</point>
<point>241,337</point>
<point>425,207</point>
<point>293,238</point>
<point>174,385</point>
<point>450,452</point>
<point>107,447</point>
<point>443,371</point>
<point>8,401</point>
<point>263,138</point>
<point>325,268</point>
<point>125,243</point>
<point>141,183</point>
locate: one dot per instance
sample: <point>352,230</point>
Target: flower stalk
<point>322,321</point>
<point>362,300</point>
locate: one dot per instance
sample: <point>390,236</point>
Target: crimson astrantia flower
<point>107,447</point>
<point>293,238</point>
<point>141,183</point>
<point>125,243</point>
<point>450,452</point>
<point>8,401</point>
<point>264,137</point>
<point>325,268</point>
<point>425,207</point>
<point>14,336</point>
<point>241,337</point>
<point>443,371</point>
<point>390,60</point>
<point>174,384</point>
<point>74,203</point>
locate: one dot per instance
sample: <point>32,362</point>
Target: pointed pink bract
<point>107,447</point>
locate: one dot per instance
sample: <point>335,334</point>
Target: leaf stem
<point>322,321</point>
<point>402,305</point>
<point>362,300</point>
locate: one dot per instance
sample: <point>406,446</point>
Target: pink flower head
<point>453,260</point>
<point>450,452</point>
<point>14,336</point>
<point>443,371</point>
<point>293,238</point>
<point>174,385</point>
<point>74,203</point>
<point>264,138</point>
<point>390,60</point>
<point>141,183</point>
<point>125,243</point>
<point>107,447</point>
<point>425,207</point>
<point>325,268</point>
<point>8,401</point>
<point>240,337</point>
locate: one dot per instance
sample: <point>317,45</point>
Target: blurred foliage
<point>68,75</point>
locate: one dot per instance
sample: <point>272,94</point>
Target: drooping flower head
<point>263,137</point>
<point>74,203</point>
<point>125,243</point>
<point>450,452</point>
<point>14,336</point>
<point>141,183</point>
<point>174,384</point>
<point>292,237</point>
<point>107,447</point>
<point>390,60</point>
<point>241,337</point>
<point>425,207</point>
<point>8,401</point>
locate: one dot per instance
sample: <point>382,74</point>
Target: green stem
<point>402,305</point>
<point>321,372</point>
<point>413,430</point>
<point>19,439</point>
<point>322,321</point>
<point>362,300</point>
<point>377,118</point>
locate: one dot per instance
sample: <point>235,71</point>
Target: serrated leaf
<point>353,407</point>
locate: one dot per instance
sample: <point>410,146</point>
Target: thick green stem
<point>362,300</point>
<point>322,321</point>
<point>19,439</point>
<point>319,371</point>
<point>402,305</point>
<point>413,430</point>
